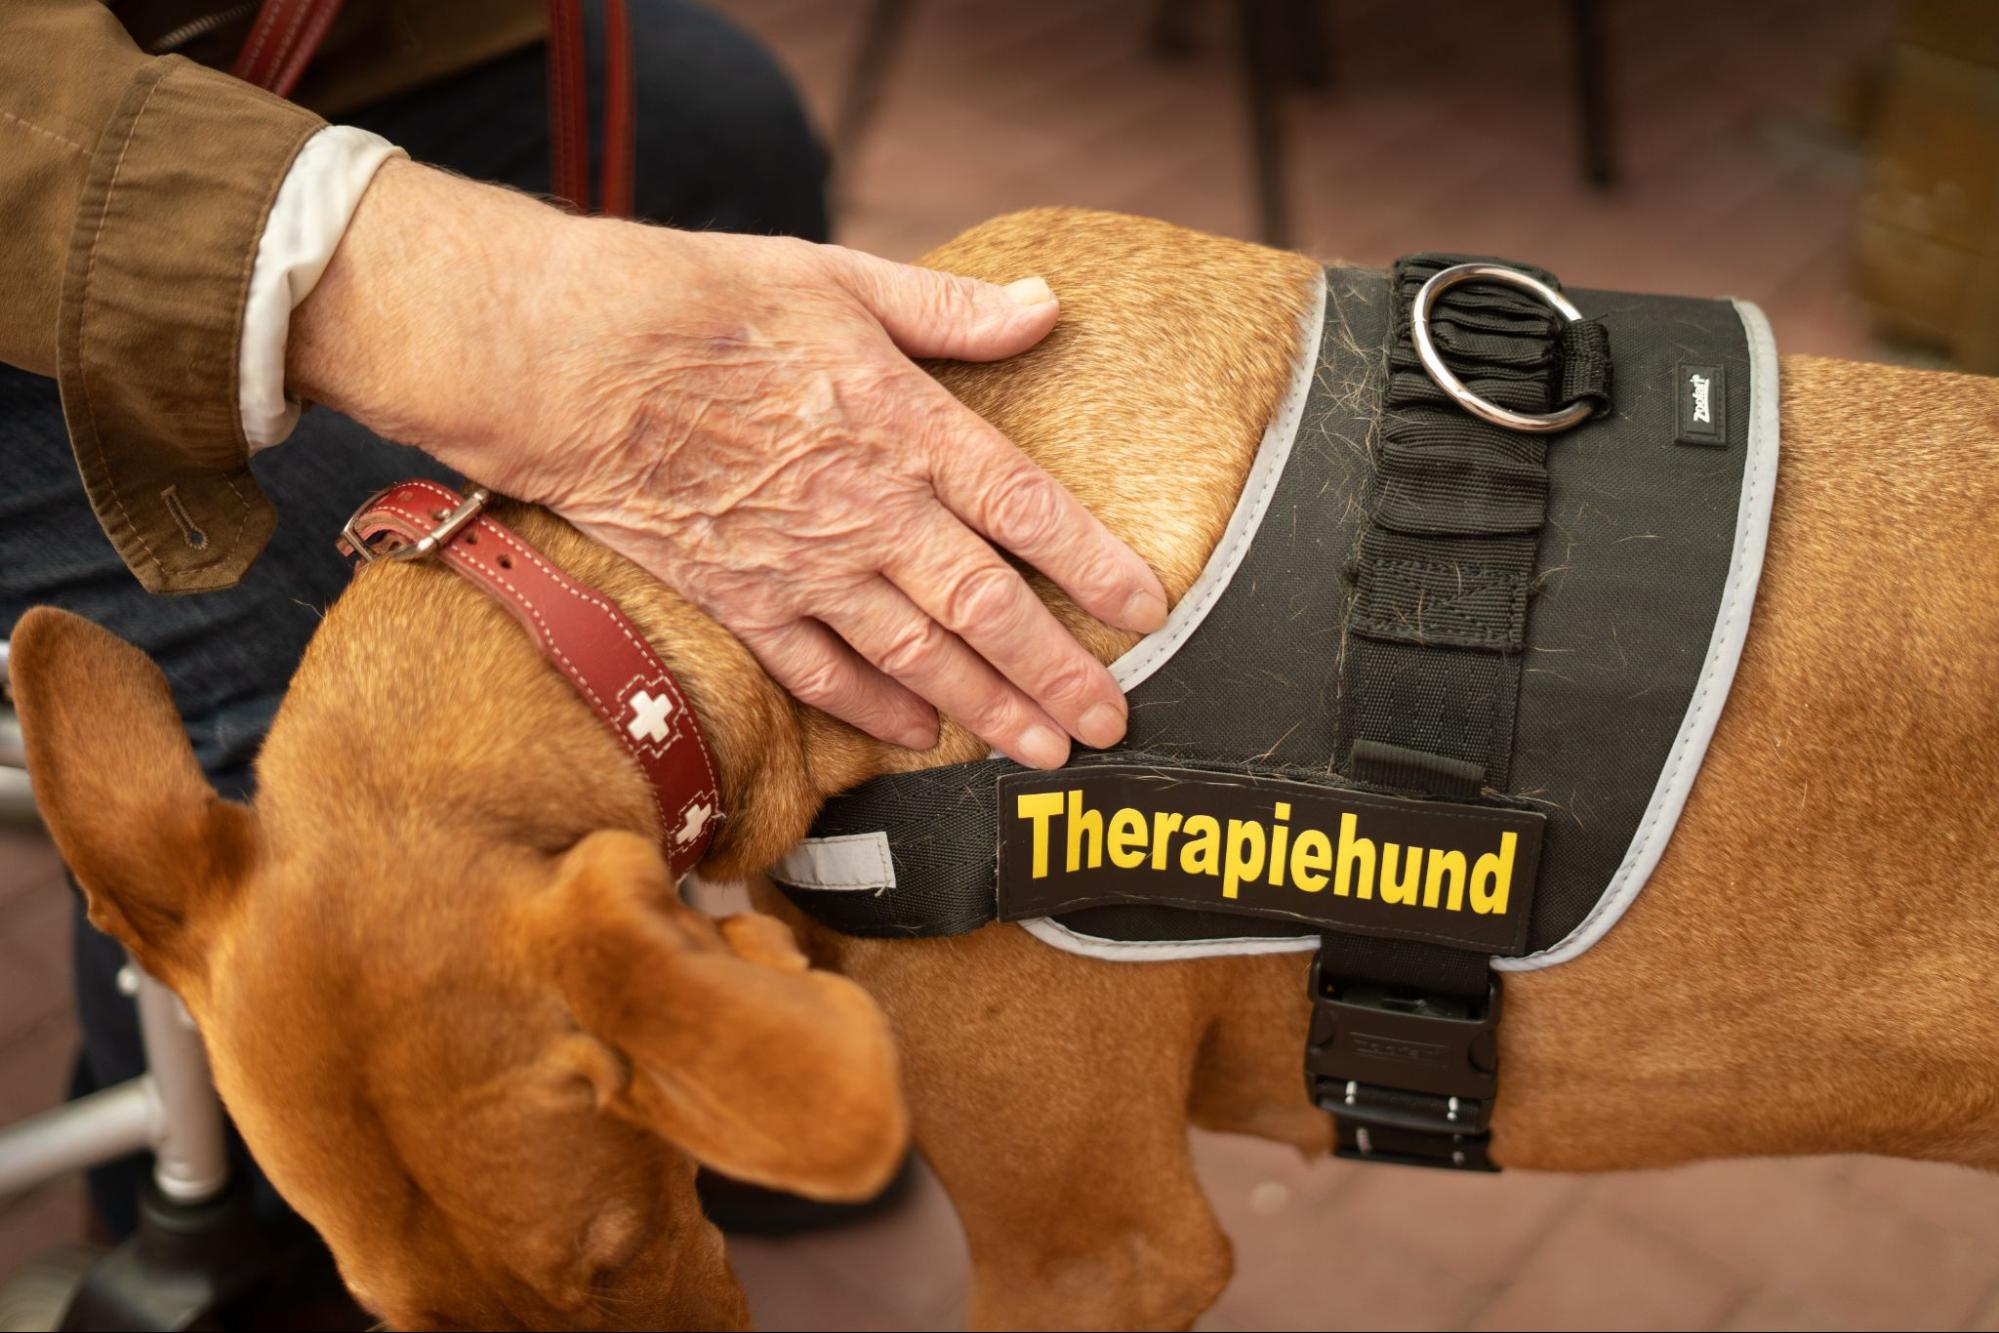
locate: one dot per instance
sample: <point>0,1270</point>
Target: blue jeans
<point>722,143</point>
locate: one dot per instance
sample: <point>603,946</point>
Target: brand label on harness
<point>1121,835</point>
<point>1703,397</point>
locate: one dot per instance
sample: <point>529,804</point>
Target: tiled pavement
<point>1435,134</point>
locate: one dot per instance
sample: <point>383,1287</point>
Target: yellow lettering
<point>1408,875</point>
<point>1127,840</point>
<point>1280,837</point>
<point>1201,854</point>
<point>1492,878</point>
<point>1400,890</point>
<point>1245,857</point>
<point>1441,864</point>
<point>1310,854</point>
<point>1163,824</point>
<point>1353,851</point>
<point>1083,821</point>
<point>1039,806</point>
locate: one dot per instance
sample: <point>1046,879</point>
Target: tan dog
<point>472,1038</point>
<point>453,1004</point>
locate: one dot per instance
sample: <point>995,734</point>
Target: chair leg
<point>1593,93</point>
<point>1263,88</point>
<point>882,36</point>
<point>1309,36</point>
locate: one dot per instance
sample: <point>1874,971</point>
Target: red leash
<point>286,33</point>
<point>282,41</point>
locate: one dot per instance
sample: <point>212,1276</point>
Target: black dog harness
<point>1431,710</point>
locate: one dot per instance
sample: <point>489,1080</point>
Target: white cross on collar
<point>693,824</point>
<point>649,715</point>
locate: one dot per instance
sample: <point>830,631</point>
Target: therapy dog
<point>464,1023</point>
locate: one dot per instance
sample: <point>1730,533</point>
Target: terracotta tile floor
<point>1447,125</point>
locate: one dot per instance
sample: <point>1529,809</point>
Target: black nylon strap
<point>1395,768</point>
<point>1406,965</point>
<point>1430,685</point>
<point>1445,562</point>
<point>1584,349</point>
<point>942,824</point>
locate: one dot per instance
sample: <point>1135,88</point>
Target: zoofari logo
<point>1701,405</point>
<point>1699,385</point>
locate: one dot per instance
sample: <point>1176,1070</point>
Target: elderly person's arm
<point>740,416</point>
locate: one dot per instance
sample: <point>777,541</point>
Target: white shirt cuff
<point>310,214</point>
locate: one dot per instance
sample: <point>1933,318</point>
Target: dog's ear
<point>158,853</point>
<point>755,1064</point>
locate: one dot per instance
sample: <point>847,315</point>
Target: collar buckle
<point>449,525</point>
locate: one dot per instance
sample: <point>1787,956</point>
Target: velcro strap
<point>1454,605</point>
<point>1446,558</point>
<point>1432,483</point>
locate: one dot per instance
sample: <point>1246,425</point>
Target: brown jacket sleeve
<point>133,191</point>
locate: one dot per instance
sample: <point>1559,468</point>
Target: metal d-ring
<point>1426,347</point>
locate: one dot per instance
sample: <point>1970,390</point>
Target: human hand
<point>739,416</point>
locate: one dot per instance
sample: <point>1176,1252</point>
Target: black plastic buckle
<point>1409,1077</point>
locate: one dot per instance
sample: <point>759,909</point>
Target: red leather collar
<point>578,629</point>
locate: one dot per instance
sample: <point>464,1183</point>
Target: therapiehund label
<point>1110,835</point>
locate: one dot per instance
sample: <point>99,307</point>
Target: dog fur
<point>473,1037</point>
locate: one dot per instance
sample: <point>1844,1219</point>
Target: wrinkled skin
<point>740,417</point>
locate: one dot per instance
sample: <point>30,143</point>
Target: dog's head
<point>484,1072</point>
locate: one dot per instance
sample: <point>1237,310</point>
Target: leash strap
<point>286,34</point>
<point>569,108</point>
<point>281,42</point>
<point>580,631</point>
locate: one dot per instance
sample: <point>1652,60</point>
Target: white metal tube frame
<point>15,798</point>
<point>171,1108</point>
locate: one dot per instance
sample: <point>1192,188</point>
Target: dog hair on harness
<point>468,1030</point>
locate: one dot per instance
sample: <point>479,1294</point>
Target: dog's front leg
<point>1049,1092</point>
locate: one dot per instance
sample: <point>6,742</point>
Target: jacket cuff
<point>307,219</point>
<point>150,323</point>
